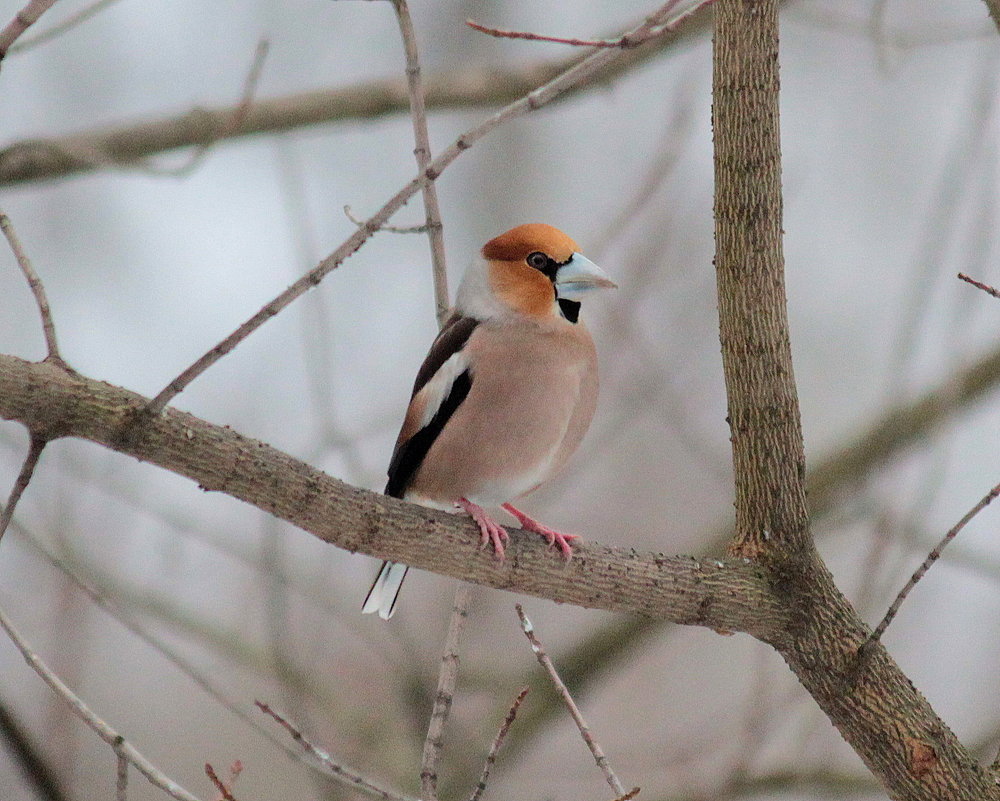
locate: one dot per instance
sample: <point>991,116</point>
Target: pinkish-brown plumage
<point>506,393</point>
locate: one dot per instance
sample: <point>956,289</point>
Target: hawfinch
<point>505,394</point>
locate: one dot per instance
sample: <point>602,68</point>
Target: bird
<point>505,394</point>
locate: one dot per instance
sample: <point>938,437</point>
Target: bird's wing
<point>442,383</point>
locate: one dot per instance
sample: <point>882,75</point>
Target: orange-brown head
<point>532,269</point>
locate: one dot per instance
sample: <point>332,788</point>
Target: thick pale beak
<point>580,275</point>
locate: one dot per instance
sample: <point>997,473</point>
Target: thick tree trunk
<point>872,703</point>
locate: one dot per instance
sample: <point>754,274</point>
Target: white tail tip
<point>384,593</point>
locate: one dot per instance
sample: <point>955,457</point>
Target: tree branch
<point>23,20</point>
<point>766,433</point>
<point>468,87</point>
<point>584,663</point>
<point>873,704</point>
<point>443,698</point>
<point>580,72</point>
<point>119,744</point>
<point>422,152</point>
<point>36,286</point>
<point>51,402</point>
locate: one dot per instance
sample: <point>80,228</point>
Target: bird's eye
<point>537,260</point>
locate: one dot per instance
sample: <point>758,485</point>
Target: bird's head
<point>533,269</point>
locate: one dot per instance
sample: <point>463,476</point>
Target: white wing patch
<point>436,390</point>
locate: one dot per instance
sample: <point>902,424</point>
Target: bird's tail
<point>384,593</point>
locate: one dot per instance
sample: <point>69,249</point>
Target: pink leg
<point>554,537</point>
<point>491,530</point>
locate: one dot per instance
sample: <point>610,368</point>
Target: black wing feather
<point>409,455</point>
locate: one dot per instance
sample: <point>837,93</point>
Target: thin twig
<point>626,41</point>
<point>391,229</point>
<point>37,289</point>
<point>66,25</point>
<point>224,792</point>
<point>491,757</point>
<point>116,609</point>
<point>580,71</point>
<point>932,557</point>
<point>121,780</point>
<point>23,20</point>
<point>422,151</point>
<point>342,773</point>
<point>447,676</point>
<point>488,86</point>
<point>574,710</point>
<point>24,477</point>
<point>979,285</point>
<point>121,747</point>
<point>501,33</point>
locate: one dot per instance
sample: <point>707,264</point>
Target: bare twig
<point>447,677</point>
<point>624,42</point>
<point>470,86</point>
<point>979,285</point>
<point>23,20</point>
<point>422,151</point>
<point>118,743</point>
<point>491,757</point>
<point>37,289</point>
<point>121,780</point>
<point>24,477</point>
<point>932,557</point>
<point>116,609</point>
<point>541,96</point>
<point>391,229</point>
<point>574,710</point>
<point>225,794</point>
<point>66,25</point>
<point>339,771</point>
<point>500,33</point>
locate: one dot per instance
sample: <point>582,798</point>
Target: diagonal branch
<point>731,594</point>
<point>37,289</point>
<point>346,775</point>
<point>567,699</point>
<point>464,88</point>
<point>932,557</point>
<point>834,475</point>
<point>491,757</point>
<point>534,100</point>
<point>23,20</point>
<point>35,449</point>
<point>118,743</point>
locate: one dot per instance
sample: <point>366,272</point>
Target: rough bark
<point>872,703</point>
<point>53,402</point>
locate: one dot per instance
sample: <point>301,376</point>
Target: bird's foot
<point>492,531</point>
<point>554,537</point>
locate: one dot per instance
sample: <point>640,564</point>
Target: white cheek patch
<point>438,388</point>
